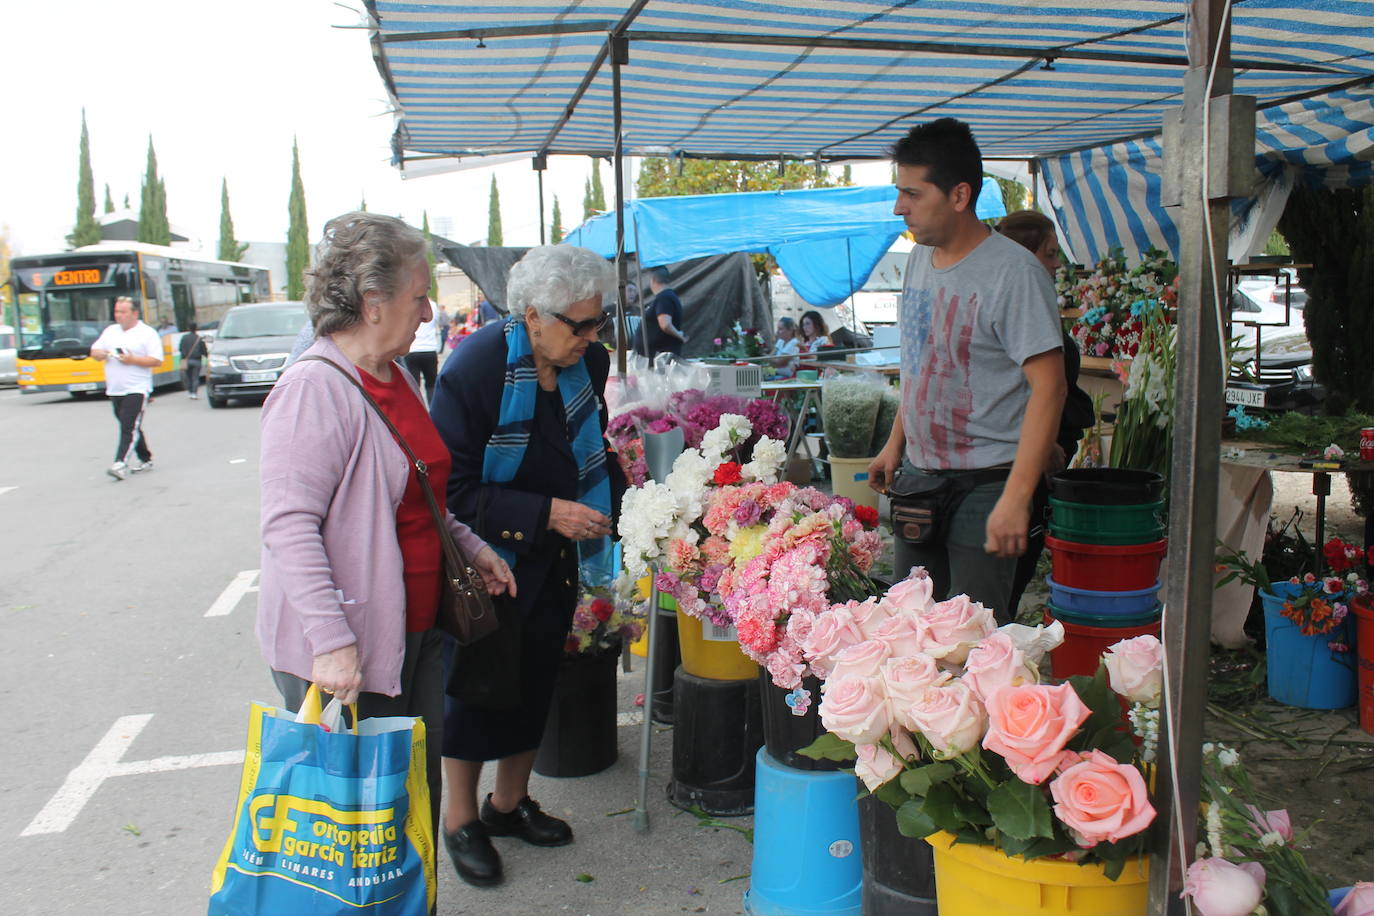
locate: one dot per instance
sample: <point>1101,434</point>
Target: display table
<point>811,397</point>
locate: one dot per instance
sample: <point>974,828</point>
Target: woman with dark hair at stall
<point>1034,231</point>
<point>521,407</point>
<point>814,333</point>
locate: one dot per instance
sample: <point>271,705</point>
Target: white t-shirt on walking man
<point>126,378</point>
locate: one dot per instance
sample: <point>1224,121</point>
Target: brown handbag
<point>466,611</point>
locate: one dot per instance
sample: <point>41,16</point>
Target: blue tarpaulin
<point>826,240</point>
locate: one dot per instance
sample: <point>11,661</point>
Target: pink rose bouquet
<point>948,721</point>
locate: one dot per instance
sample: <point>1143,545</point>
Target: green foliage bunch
<point>850,406</point>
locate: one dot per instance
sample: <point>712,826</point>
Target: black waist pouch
<point>922,504</point>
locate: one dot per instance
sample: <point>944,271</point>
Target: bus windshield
<point>263,321</point>
<point>72,321</point>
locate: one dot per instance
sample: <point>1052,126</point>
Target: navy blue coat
<point>515,515</point>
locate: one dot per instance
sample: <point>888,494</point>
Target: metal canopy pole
<point>1212,154</point>
<point>541,163</point>
<point>620,55</point>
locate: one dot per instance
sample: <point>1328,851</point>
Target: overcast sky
<point>222,89</point>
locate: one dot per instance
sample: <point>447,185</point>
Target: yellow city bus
<point>65,300</point>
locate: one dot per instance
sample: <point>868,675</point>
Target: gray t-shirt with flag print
<point>965,331</point>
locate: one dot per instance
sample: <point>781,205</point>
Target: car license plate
<point>83,386</point>
<point>1246,397</point>
<point>260,376</point>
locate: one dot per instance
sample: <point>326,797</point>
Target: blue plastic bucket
<point>1303,672</point>
<point>807,860</point>
<point>1106,604</point>
<point>1106,621</point>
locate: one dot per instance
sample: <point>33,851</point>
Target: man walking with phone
<point>130,350</point>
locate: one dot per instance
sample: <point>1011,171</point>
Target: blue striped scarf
<point>506,448</point>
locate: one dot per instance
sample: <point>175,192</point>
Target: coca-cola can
<point>1367,444</point>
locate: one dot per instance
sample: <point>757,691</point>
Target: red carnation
<point>867,516</point>
<point>601,609</point>
<point>728,472</point>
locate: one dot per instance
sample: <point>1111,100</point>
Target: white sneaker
<point>143,466</point>
<point>119,470</point>
<point>194,396</point>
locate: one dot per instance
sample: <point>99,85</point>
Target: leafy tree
<point>1277,245</point>
<point>153,227</point>
<point>126,200</point>
<point>494,216</point>
<point>297,231</point>
<point>598,192</point>
<point>1014,194</point>
<point>429,260</point>
<point>660,177</point>
<point>587,210</point>
<point>1333,230</point>
<point>87,230</point>
<point>109,202</point>
<point>230,249</point>
<point>556,229</point>
<point>362,204</point>
<point>847,178</point>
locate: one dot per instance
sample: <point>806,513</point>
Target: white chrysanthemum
<point>648,514</point>
<point>690,473</point>
<point>769,455</point>
<point>1228,757</point>
<point>733,429</point>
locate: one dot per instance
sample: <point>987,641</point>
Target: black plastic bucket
<point>785,732</point>
<point>580,733</point>
<point>666,660</point>
<point>1107,486</point>
<point>899,871</point>
<point>717,733</point>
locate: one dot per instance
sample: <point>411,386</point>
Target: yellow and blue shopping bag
<point>328,822</point>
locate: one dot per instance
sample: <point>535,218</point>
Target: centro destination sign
<point>65,276</point>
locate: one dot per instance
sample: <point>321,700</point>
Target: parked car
<point>250,350</point>
<point>9,373</point>
<point>1272,367</point>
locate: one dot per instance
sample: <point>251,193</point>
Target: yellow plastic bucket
<point>640,646</point>
<point>842,482</point>
<point>718,659</point>
<point>976,880</point>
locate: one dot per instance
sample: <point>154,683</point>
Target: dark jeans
<point>128,410</point>
<point>192,369</point>
<point>425,367</point>
<point>957,563</point>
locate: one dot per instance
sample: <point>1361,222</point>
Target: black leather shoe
<point>527,822</point>
<point>476,859</point>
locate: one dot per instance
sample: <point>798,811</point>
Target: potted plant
<point>1013,782</point>
<point>580,732</point>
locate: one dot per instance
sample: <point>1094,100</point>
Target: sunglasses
<point>588,324</point>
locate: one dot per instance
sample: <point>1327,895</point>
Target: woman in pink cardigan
<point>351,563</point>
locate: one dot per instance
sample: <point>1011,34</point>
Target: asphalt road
<point>128,704</point>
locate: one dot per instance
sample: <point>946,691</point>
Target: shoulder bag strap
<point>452,551</point>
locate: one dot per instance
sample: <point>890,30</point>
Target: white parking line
<point>106,760</point>
<point>229,598</point>
<point>237,460</point>
<point>4,490</point>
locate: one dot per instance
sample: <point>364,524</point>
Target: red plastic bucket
<point>1083,646</point>
<point>1364,648</point>
<point>1106,567</point>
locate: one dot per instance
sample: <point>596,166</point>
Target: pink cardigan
<point>332,478</point>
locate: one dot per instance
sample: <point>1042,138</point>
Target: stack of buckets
<point>1106,545</point>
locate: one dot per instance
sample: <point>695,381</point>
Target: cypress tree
<point>230,249</point>
<point>494,216</point>
<point>87,230</point>
<point>587,210</point>
<point>598,192</point>
<point>297,232</point>
<point>429,260</point>
<point>556,230</point>
<point>153,227</point>
<point>362,204</point>
<point>126,200</point>
<point>109,201</point>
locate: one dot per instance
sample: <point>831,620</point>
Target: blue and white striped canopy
<point>1072,82</point>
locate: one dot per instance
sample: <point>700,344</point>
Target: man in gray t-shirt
<point>982,375</point>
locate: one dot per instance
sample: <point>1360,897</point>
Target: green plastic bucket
<point>1107,524</point>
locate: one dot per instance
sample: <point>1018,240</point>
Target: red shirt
<point>421,556</point>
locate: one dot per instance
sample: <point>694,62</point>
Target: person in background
<point>130,350</point>
<point>456,331</point>
<point>982,376</point>
<point>661,330</point>
<point>814,333</point>
<point>351,560</point>
<point>486,313</point>
<point>521,405</point>
<point>1034,231</point>
<point>192,358</point>
<point>423,358</point>
<point>786,347</point>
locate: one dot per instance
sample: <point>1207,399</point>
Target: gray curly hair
<point>360,253</point>
<point>552,277</point>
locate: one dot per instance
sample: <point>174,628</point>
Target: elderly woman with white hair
<point>520,405</point>
<point>351,562</point>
